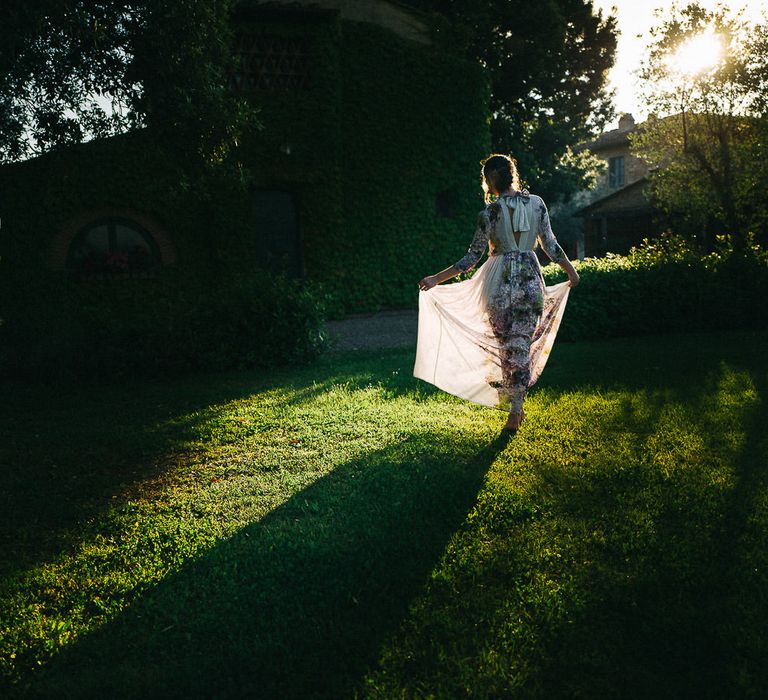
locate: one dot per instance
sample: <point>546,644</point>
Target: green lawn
<point>345,530</point>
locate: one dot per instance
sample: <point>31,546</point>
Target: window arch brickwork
<point>63,240</point>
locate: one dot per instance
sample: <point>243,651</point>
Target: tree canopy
<point>165,64</point>
<point>157,63</point>
<point>708,71</point>
<point>547,62</point>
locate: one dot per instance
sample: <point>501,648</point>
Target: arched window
<point>113,245</point>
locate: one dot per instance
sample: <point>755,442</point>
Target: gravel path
<point>387,329</point>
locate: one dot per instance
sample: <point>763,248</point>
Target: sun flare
<point>696,55</point>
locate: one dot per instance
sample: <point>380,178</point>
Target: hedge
<point>116,328</point>
<point>665,286</point>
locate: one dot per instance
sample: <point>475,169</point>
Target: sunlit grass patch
<point>601,556</point>
<point>346,529</point>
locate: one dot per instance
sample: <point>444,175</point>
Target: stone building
<point>360,110</point>
<point>619,214</point>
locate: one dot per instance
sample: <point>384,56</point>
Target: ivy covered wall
<point>415,132</point>
<point>385,145</point>
<point>380,149</point>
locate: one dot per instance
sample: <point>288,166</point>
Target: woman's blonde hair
<point>499,172</point>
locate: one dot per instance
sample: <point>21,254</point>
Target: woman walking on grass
<point>487,339</point>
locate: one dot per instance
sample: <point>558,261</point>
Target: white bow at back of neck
<point>520,221</point>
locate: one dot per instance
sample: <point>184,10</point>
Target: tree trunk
<point>726,194</point>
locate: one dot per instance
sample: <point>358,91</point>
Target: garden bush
<point>666,285</point>
<point>56,327</point>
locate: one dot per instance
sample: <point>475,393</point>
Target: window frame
<point>111,222</point>
<point>616,172</point>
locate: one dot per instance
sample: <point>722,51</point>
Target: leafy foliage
<point>708,156</point>
<point>156,63</point>
<point>369,219</point>
<point>56,59</point>
<point>370,154</point>
<point>184,57</point>
<point>547,63</point>
<point>216,307</point>
<point>117,329</point>
<point>422,141</point>
<point>666,285</point>
<point>366,182</point>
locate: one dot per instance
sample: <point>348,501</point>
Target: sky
<point>636,17</point>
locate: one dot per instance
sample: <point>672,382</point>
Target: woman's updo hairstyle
<point>499,173</point>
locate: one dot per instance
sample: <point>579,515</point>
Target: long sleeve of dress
<point>547,238</point>
<point>478,245</point>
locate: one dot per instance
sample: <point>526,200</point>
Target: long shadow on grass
<point>296,605</point>
<point>608,578</point>
<point>197,403</point>
<point>68,454</point>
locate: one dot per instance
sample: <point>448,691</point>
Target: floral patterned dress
<point>488,338</point>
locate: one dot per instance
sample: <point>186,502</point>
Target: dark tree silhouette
<point>160,63</point>
<point>547,62</point>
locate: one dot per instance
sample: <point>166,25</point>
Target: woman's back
<point>513,223</point>
<point>512,228</point>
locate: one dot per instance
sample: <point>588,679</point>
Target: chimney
<point>626,122</point>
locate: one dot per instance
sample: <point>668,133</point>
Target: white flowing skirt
<point>457,350</point>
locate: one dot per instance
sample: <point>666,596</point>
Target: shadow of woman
<point>297,604</point>
<point>75,452</point>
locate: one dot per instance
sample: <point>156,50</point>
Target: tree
<point>56,58</point>
<point>547,61</point>
<point>707,71</point>
<point>184,57</point>
<point>162,64</point>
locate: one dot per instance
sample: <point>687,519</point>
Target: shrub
<point>666,285</point>
<point>55,327</point>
